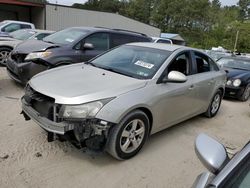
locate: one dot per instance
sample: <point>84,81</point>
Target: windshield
<point>65,36</point>
<point>133,61</point>
<point>235,63</point>
<point>22,34</point>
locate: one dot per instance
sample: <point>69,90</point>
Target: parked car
<point>68,46</point>
<point>224,172</point>
<point>161,40</point>
<point>115,101</point>
<point>7,44</point>
<point>8,26</point>
<point>217,54</point>
<point>238,76</point>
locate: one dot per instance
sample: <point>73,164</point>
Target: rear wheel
<point>245,96</point>
<point>214,105</point>
<point>4,53</point>
<point>127,138</point>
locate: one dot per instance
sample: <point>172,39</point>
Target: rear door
<point>204,79</point>
<point>118,39</point>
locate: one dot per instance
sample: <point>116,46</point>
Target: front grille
<point>43,104</point>
<point>18,58</point>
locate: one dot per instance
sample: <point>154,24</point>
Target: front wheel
<point>127,138</point>
<point>214,105</point>
<point>4,53</point>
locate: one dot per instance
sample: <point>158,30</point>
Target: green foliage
<point>203,23</point>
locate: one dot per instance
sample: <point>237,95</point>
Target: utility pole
<point>236,40</point>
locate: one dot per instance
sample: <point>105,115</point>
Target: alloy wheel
<point>3,56</point>
<point>215,103</point>
<point>132,136</point>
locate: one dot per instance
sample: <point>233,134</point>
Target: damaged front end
<point>82,132</point>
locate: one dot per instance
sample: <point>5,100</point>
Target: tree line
<point>202,23</point>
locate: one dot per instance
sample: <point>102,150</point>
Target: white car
<point>8,26</point>
<point>161,40</point>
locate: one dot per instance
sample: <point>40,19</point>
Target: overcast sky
<point>70,2</point>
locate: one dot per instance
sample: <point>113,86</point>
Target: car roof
<point>36,30</point>
<point>236,58</point>
<point>160,46</point>
<point>14,21</point>
<point>93,29</point>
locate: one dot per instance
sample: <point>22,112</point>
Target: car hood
<point>237,73</point>
<point>81,83</point>
<point>8,39</point>
<point>33,46</point>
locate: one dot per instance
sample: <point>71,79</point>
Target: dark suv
<point>72,45</point>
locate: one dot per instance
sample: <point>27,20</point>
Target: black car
<point>238,76</point>
<point>72,45</point>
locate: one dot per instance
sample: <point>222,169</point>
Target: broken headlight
<point>37,55</point>
<point>82,111</point>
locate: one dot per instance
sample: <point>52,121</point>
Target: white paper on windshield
<point>144,64</point>
<point>69,40</point>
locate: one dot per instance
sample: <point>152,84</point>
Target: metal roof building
<point>56,17</point>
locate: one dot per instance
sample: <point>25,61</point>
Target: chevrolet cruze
<point>115,101</point>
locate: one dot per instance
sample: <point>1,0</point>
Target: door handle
<point>191,87</point>
<point>211,81</point>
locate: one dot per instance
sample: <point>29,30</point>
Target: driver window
<point>240,177</point>
<point>180,63</point>
<point>99,40</point>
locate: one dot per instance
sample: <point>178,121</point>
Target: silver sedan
<point>115,101</point>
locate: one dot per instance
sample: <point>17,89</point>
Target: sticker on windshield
<point>144,64</point>
<point>69,40</point>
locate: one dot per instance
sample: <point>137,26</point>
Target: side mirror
<point>211,153</point>
<point>88,46</point>
<point>176,77</point>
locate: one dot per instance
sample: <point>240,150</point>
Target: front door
<point>176,101</point>
<point>100,41</point>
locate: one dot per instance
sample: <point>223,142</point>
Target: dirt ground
<point>167,160</point>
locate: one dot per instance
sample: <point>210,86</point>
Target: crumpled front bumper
<point>22,72</point>
<point>50,126</point>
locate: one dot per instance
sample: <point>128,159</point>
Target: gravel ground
<point>167,160</point>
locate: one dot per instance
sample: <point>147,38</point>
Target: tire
<point>214,105</point>
<point>4,52</point>
<point>245,96</point>
<point>126,139</point>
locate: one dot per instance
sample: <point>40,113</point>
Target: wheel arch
<point>144,109</point>
<point>222,90</point>
<point>6,46</point>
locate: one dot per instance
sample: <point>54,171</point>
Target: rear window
<point>119,39</point>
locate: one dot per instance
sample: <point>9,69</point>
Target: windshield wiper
<point>118,72</point>
<point>49,41</point>
<point>90,63</point>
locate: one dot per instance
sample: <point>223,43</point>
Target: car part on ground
<point>238,77</point>
<point>115,101</point>
<point>224,172</point>
<point>72,45</point>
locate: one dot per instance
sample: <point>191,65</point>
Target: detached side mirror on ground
<point>175,77</point>
<point>211,153</point>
